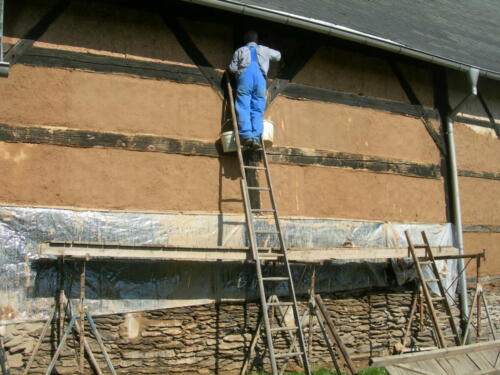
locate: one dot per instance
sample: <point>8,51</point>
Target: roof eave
<point>340,32</point>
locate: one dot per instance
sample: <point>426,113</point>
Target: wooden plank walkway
<point>476,359</point>
<point>213,254</point>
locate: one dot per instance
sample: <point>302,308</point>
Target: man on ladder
<point>250,63</point>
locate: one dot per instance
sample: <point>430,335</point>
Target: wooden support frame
<point>212,254</point>
<point>76,323</point>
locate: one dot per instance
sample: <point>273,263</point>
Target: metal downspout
<point>4,66</point>
<point>473,76</point>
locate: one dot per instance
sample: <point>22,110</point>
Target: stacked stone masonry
<point>214,338</point>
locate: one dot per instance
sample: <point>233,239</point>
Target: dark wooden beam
<point>482,228</point>
<point>107,64</point>
<point>25,43</point>
<point>412,97</point>
<point>298,91</point>
<point>493,123</point>
<point>486,175</point>
<point>211,75</point>
<point>476,122</point>
<point>354,161</point>
<point>291,69</point>
<point>148,143</point>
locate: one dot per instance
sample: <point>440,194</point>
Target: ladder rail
<point>249,214</point>
<point>300,332</point>
<point>442,290</point>
<point>427,295</point>
<point>251,233</point>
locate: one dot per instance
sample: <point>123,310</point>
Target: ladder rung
<point>419,246</point>
<point>438,298</point>
<point>270,255</point>
<point>431,280</point>
<point>425,261</point>
<point>258,188</point>
<point>262,210</point>
<point>252,167</point>
<point>280,304</point>
<point>287,355</point>
<point>279,329</point>
<point>275,278</point>
<point>450,337</point>
<point>266,232</point>
<point>268,249</point>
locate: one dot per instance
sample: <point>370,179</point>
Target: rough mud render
<point>63,98</point>
<point>475,243</point>
<point>53,176</point>
<point>211,339</point>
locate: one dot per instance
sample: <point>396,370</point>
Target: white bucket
<point>229,143</point>
<point>268,133</point>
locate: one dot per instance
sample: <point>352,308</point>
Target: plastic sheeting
<point>28,284</point>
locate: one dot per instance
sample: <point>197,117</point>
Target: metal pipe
<point>473,76</point>
<point>457,219</point>
<point>4,66</point>
<point>339,32</point>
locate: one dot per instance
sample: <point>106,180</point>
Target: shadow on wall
<point>148,280</point>
<point>127,28</point>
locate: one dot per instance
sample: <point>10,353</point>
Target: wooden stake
<point>82,315</point>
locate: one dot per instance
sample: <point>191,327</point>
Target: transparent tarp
<point>28,285</point>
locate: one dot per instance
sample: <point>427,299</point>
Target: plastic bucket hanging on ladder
<point>229,143</point>
<point>268,133</point>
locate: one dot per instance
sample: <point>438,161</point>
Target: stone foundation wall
<point>210,339</point>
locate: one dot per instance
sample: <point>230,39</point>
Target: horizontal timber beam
<point>298,91</point>
<point>52,58</point>
<point>474,174</point>
<point>213,254</point>
<point>286,155</point>
<point>482,228</point>
<point>150,143</point>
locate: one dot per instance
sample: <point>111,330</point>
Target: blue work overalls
<point>251,98</point>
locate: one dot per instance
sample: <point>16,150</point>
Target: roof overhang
<point>342,32</point>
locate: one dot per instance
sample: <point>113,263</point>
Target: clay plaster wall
<point>355,72</point>
<point>478,148</point>
<point>96,178</point>
<point>480,206</point>
<point>108,102</point>
<point>351,129</point>
<point>46,175</point>
<point>479,197</point>
<point>475,243</point>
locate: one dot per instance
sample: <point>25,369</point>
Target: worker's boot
<point>256,145</point>
<point>248,143</point>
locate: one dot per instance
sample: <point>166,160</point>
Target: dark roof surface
<point>465,31</point>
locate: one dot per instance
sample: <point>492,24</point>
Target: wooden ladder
<point>261,255</point>
<point>431,301</point>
